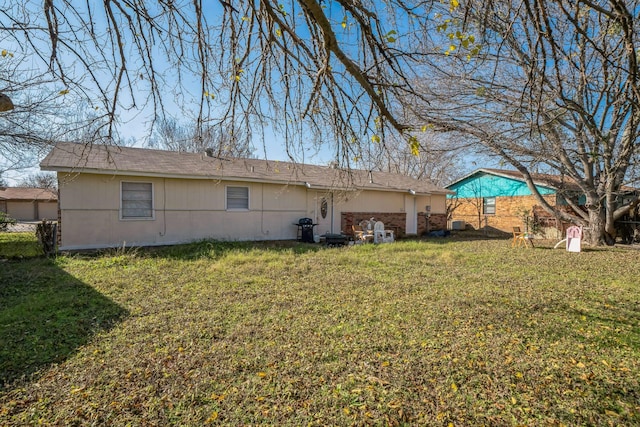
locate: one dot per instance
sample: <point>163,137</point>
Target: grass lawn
<point>19,245</point>
<point>440,333</point>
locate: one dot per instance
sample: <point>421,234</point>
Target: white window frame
<point>226,198</point>
<point>138,218</point>
<point>485,204</point>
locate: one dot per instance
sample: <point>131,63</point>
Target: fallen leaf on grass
<point>212,418</point>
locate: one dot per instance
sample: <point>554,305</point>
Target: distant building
<point>500,199</point>
<point>29,204</point>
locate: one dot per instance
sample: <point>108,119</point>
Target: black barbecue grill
<point>305,230</point>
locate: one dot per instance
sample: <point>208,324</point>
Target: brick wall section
<point>436,222</point>
<point>508,212</point>
<point>392,221</point>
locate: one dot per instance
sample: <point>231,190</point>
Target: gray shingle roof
<point>114,160</point>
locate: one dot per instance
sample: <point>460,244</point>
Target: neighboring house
<point>113,196</point>
<point>500,199</point>
<point>29,204</point>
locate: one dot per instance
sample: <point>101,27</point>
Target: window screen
<point>137,200</point>
<point>489,205</point>
<point>237,197</point>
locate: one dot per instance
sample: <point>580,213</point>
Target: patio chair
<point>520,238</point>
<point>380,235</point>
<point>360,235</point>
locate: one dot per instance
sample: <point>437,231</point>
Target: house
<point>113,196</point>
<point>500,199</point>
<point>29,204</point>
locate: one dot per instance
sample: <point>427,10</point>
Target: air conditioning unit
<point>458,225</point>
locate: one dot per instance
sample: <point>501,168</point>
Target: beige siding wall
<point>189,209</point>
<point>28,211</point>
<point>372,201</point>
<point>22,211</point>
<point>48,211</point>
<point>184,210</point>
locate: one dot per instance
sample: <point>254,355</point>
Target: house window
<point>136,200</point>
<point>237,198</point>
<point>489,205</point>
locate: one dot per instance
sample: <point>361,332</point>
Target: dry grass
<point>413,333</point>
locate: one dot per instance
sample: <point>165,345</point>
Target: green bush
<point>5,221</point>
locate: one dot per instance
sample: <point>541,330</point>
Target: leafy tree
<point>553,86</point>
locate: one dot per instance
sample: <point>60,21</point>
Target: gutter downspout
<point>332,213</point>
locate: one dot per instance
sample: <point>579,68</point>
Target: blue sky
<point>135,122</point>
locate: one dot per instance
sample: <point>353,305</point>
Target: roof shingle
<point>114,160</point>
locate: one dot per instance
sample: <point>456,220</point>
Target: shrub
<point>46,234</point>
<point>5,221</point>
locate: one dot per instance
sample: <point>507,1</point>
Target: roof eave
<point>166,175</point>
<point>74,170</point>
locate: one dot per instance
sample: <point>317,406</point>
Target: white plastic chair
<point>378,232</point>
<point>380,235</point>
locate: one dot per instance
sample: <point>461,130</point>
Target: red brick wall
<point>392,221</point>
<point>508,212</point>
<point>436,222</point>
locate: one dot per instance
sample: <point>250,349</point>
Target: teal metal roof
<point>485,183</point>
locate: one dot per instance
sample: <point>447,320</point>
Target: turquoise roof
<point>483,184</point>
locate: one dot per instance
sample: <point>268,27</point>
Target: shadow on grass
<point>618,323</point>
<point>45,316</point>
<point>464,236</point>
<point>483,233</point>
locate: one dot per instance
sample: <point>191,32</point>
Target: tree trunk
<point>597,233</point>
<point>610,223</point>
